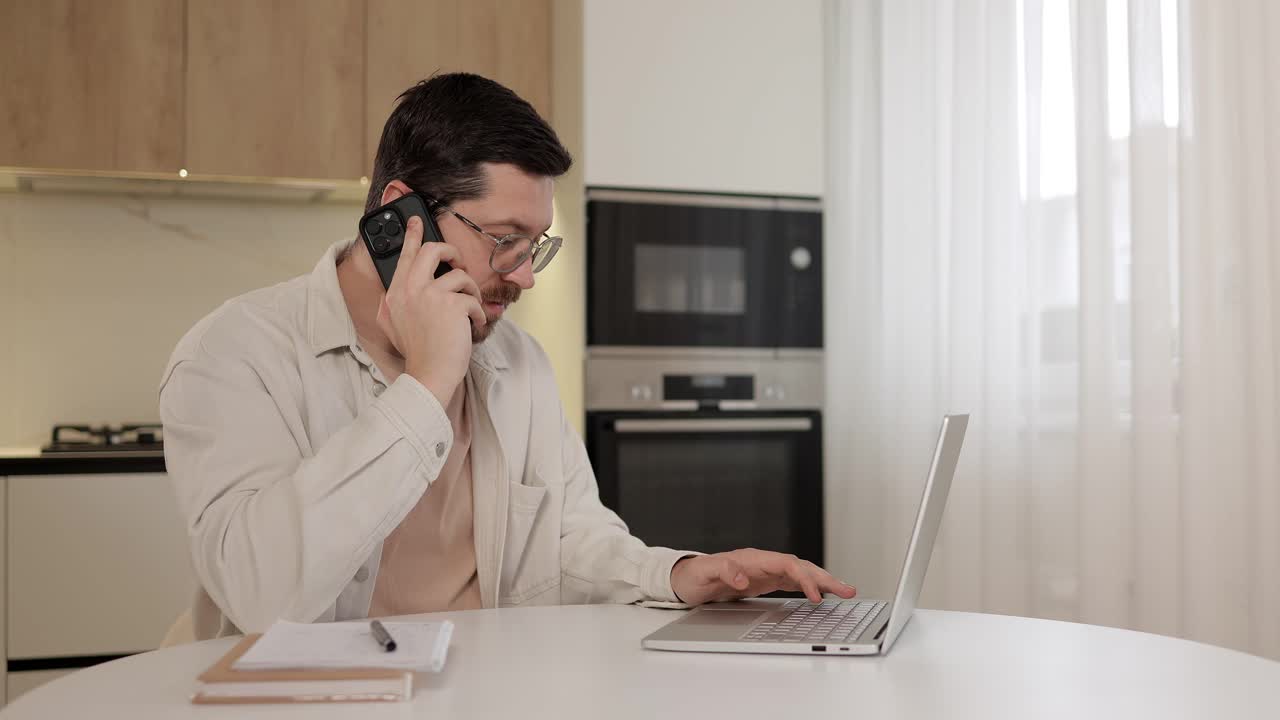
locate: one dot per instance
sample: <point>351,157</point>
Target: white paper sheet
<point>420,646</point>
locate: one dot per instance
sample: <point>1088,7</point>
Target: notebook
<point>324,662</point>
<point>420,646</point>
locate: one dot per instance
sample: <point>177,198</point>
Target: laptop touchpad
<point>721,618</point>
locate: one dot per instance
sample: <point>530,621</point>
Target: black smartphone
<point>383,233</point>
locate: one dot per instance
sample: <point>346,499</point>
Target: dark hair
<point>443,128</point>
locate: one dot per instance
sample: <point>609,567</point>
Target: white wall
<point>721,95</point>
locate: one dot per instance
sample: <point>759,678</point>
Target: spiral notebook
<point>324,662</point>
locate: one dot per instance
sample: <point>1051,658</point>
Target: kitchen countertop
<point>29,461</point>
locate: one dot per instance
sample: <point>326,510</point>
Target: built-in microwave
<point>670,269</point>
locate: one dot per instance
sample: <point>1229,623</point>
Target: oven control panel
<point>703,380</point>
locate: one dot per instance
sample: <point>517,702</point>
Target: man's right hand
<point>428,319</point>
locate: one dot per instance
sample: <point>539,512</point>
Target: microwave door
<point>685,276</point>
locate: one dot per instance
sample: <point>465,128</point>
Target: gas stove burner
<point>135,439</point>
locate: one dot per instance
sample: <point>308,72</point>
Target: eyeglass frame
<point>535,244</point>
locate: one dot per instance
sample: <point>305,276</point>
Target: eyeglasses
<point>510,251</point>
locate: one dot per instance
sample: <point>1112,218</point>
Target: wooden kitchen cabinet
<point>275,88</point>
<point>91,84</point>
<point>409,40</point>
<point>245,88</point>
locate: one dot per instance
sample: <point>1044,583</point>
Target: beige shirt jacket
<point>292,459</point>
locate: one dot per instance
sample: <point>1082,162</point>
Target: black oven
<point>713,481</point>
<point>703,270</point>
<point>710,450</point>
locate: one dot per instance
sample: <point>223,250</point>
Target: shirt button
<point>439,449</point>
<point>362,574</point>
<point>377,390</point>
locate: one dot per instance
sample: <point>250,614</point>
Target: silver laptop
<point>839,627</point>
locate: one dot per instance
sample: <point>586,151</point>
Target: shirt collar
<point>329,321</point>
<point>329,324</point>
<point>489,354</point>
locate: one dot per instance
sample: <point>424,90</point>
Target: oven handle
<point>723,425</point>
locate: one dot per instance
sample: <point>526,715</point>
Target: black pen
<point>382,636</point>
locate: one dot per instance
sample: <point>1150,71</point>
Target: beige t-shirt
<point>429,560</point>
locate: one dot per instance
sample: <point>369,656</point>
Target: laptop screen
<point>928,519</point>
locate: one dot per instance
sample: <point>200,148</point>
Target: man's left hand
<point>748,573</point>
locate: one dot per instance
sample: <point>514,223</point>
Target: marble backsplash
<point>95,291</point>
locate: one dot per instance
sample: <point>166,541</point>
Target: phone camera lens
<point>373,227</point>
<point>392,228</point>
<point>380,244</point>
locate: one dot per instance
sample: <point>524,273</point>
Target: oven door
<point>675,271</point>
<point>713,481</point>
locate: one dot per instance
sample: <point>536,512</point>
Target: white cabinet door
<point>713,95</point>
<point>18,683</point>
<point>97,564</point>
<point>4,517</point>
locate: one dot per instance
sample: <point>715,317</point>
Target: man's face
<point>516,202</point>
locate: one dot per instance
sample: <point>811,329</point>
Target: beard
<point>504,293</point>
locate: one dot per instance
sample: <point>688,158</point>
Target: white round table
<point>586,662</point>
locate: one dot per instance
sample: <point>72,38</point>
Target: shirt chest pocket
<point>531,558</point>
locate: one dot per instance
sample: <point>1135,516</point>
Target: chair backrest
<point>181,632</point>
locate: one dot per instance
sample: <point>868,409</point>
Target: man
<point>343,452</point>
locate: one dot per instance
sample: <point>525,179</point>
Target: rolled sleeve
<point>657,577</point>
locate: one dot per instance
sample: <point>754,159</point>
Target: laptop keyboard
<point>833,621</point>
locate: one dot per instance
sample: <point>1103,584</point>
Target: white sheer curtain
<point>1062,218</point>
